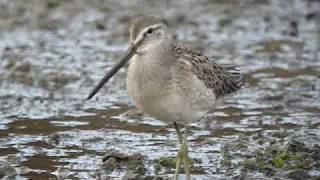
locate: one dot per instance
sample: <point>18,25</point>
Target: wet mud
<point>53,52</point>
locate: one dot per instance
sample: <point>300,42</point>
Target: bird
<point>170,82</point>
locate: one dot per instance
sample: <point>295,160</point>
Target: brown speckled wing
<point>222,79</point>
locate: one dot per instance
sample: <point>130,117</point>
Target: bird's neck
<point>158,52</point>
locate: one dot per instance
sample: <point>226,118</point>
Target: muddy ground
<point>53,52</point>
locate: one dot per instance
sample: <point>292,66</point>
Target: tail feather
<point>235,74</point>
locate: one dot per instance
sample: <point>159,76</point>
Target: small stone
<point>299,175</point>
<point>7,170</point>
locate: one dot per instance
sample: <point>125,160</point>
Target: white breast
<point>160,89</point>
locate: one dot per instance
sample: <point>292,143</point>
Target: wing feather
<point>222,79</point>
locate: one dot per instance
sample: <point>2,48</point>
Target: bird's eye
<point>149,31</point>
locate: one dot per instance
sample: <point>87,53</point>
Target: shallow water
<point>53,52</point>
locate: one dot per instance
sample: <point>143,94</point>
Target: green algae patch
<point>280,159</point>
<point>169,162</point>
<point>276,158</point>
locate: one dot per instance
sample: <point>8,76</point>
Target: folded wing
<point>221,79</point>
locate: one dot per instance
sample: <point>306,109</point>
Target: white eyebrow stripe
<point>141,34</point>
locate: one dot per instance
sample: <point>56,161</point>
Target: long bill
<point>128,55</point>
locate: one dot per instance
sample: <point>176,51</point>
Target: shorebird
<point>170,82</point>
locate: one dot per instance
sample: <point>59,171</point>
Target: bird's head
<point>145,32</point>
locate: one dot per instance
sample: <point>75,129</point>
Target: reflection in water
<point>51,53</point>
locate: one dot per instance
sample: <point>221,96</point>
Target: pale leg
<point>185,154</point>
<point>180,154</point>
<point>178,132</point>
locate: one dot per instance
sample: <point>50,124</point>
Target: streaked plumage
<point>222,79</point>
<point>171,82</point>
